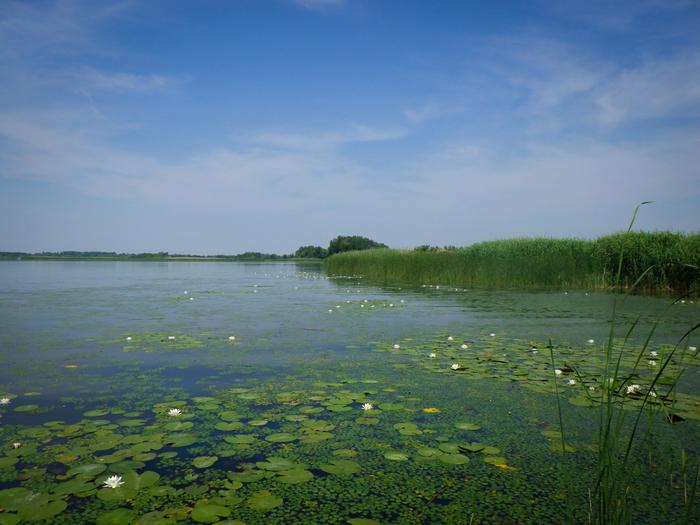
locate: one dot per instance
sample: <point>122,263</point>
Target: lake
<point>204,392</point>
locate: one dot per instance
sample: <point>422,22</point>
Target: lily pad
<point>204,461</point>
<point>393,455</point>
<point>454,459</point>
<point>295,476</point>
<point>119,516</point>
<point>205,512</point>
<point>468,426</point>
<point>281,437</point>
<point>264,500</point>
<point>341,467</point>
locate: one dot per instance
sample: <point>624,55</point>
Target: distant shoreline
<point>156,259</point>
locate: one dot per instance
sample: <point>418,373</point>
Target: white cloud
<point>655,89</point>
<point>124,82</point>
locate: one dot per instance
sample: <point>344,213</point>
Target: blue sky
<point>226,126</point>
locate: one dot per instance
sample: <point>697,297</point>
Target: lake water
<point>271,393</point>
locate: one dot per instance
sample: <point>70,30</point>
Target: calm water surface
<point>128,369</point>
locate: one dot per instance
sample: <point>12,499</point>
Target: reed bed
<point>657,261</point>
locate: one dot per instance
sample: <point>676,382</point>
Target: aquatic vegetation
<point>665,261</point>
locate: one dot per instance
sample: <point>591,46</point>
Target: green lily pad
<point>89,470</point>
<point>367,420</point>
<point>181,440</point>
<point>295,476</point>
<point>341,467</point>
<point>495,460</point>
<point>393,455</point>
<point>345,453</point>
<point>408,429</point>
<point>264,500</point>
<point>119,516</point>
<point>27,408</point>
<point>7,463</point>
<point>204,461</point>
<point>234,425</point>
<point>281,437</point>
<point>468,426</point>
<point>9,519</point>
<point>96,413</point>
<point>363,521</point>
<point>205,512</point>
<point>453,459</point>
<point>258,422</point>
<point>40,508</point>
<point>428,452</point>
<point>14,498</point>
<point>276,464</point>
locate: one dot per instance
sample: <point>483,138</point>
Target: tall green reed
<point>609,498</point>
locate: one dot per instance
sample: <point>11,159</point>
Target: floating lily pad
<point>453,459</point>
<point>281,437</point>
<point>496,460</point>
<point>264,500</point>
<point>393,455</point>
<point>295,476</point>
<point>119,516</point>
<point>345,453</point>
<point>6,463</point>
<point>234,425</point>
<point>276,464</point>
<point>27,408</point>
<point>408,429</point>
<point>341,467</point>
<point>205,512</point>
<point>41,507</point>
<point>468,426</point>
<point>363,521</point>
<point>204,461</point>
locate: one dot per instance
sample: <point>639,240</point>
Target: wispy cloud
<point>659,88</point>
<point>329,140</point>
<point>124,82</point>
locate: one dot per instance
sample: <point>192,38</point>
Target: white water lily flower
<point>653,353</point>
<point>171,338</point>
<point>632,389</point>
<point>652,394</point>
<point>455,366</point>
<point>492,334</point>
<point>572,381</point>
<point>557,372</point>
<point>16,445</point>
<point>464,347</point>
<point>692,348</point>
<point>397,346</point>
<point>591,341</point>
<point>362,306</point>
<point>231,337</point>
<point>391,305</point>
<point>367,406</point>
<point>432,355</point>
<point>113,482</point>
<point>128,338</point>
<point>5,401</point>
<point>652,362</point>
<point>174,412</point>
<point>450,338</point>
<point>591,388</point>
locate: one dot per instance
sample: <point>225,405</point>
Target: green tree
<point>311,252</point>
<point>351,243</point>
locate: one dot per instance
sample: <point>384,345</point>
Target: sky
<point>218,126</point>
